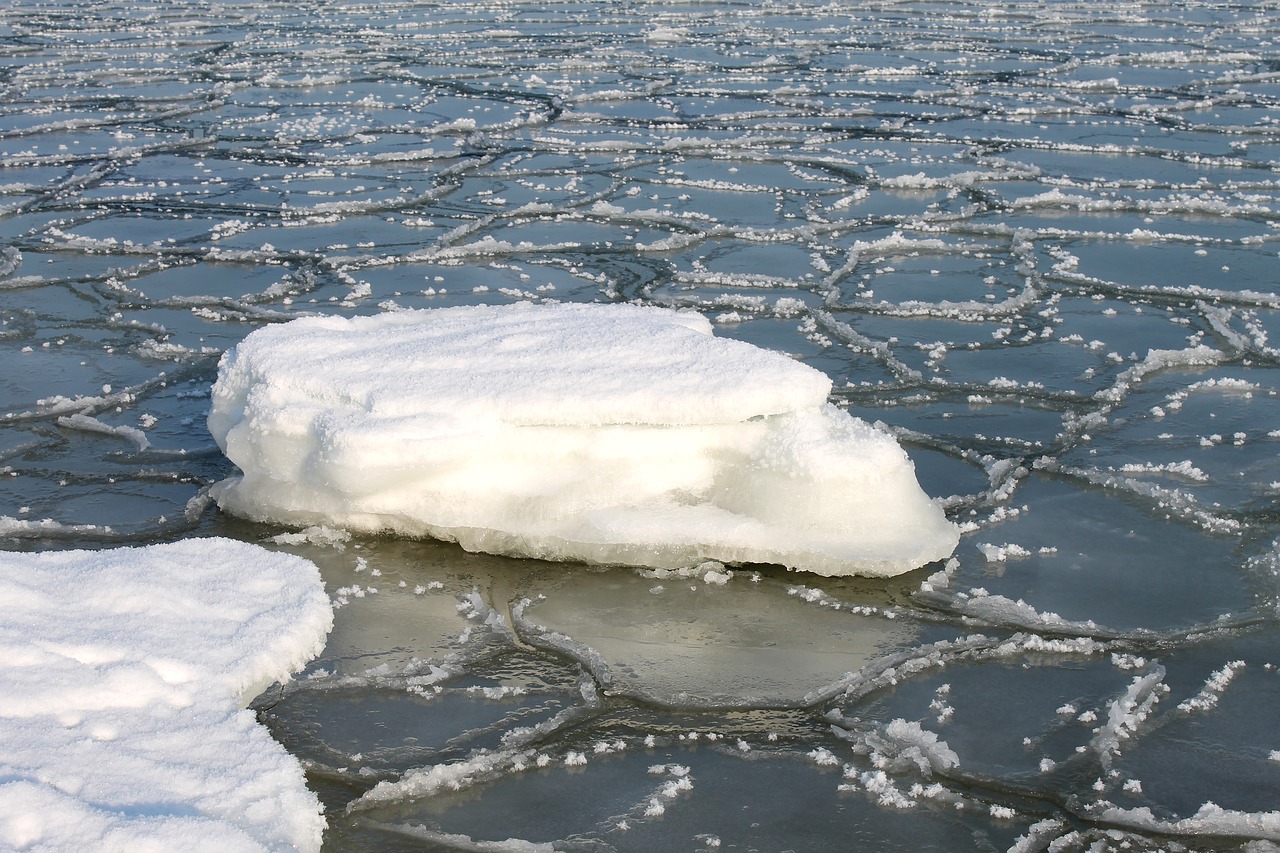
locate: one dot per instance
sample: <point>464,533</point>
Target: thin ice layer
<point>123,676</point>
<point>609,434</point>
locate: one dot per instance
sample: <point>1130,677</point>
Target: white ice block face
<point>611,434</point>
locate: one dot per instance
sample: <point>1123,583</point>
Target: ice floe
<point>123,680</point>
<point>611,434</point>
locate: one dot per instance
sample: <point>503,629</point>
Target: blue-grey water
<point>1037,240</point>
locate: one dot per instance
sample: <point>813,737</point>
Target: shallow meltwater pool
<point>1037,244</point>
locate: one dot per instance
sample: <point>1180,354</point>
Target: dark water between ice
<point>1038,240</point>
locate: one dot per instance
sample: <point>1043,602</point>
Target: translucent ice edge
<point>611,434</point>
<point>123,680</point>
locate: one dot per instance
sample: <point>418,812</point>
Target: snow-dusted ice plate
<point>612,434</point>
<point>123,676</point>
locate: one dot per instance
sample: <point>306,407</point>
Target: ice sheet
<point>123,679</point>
<point>1037,240</point>
<point>680,639</point>
<point>611,434</point>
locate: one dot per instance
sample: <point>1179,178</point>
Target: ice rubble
<point>611,434</point>
<point>123,676</point>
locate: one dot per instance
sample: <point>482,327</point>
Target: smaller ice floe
<point>611,434</point>
<point>123,680</point>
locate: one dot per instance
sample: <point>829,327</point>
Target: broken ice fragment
<point>610,434</point>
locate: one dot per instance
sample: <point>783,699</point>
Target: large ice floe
<point>611,434</point>
<point>123,680</point>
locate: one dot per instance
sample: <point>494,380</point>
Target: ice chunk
<point>123,676</point>
<point>902,744</point>
<point>610,434</point>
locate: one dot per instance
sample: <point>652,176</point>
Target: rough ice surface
<point>1037,242</point>
<point>124,676</point>
<point>613,434</point>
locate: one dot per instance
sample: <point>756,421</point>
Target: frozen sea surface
<point>1037,241</point>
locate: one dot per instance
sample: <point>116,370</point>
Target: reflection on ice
<point>708,636</point>
<point>1087,556</point>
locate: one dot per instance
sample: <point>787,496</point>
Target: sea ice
<point>612,434</point>
<point>123,680</point>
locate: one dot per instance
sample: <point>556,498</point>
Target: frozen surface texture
<point>611,434</point>
<point>1039,242</point>
<point>124,675</point>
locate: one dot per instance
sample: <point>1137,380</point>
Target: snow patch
<point>123,680</point>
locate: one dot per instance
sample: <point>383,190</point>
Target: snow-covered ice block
<point>612,434</point>
<point>123,680</point>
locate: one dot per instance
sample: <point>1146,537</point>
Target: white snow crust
<point>611,434</point>
<point>123,680</point>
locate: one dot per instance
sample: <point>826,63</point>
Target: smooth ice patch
<point>123,678</point>
<point>688,641</point>
<point>610,434</point>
